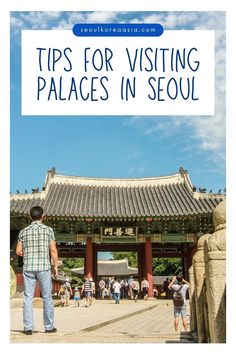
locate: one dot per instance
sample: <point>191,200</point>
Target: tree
<point>161,266</point>
<point>131,256</point>
<point>70,263</point>
<point>166,266</point>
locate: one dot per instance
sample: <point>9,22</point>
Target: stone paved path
<point>103,322</point>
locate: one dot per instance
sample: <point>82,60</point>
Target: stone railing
<point>208,283</point>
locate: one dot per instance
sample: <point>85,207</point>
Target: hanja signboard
<point>115,70</point>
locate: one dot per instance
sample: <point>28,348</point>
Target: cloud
<point>57,20</point>
<point>101,16</point>
<point>206,134</point>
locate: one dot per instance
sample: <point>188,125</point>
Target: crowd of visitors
<point>112,288</point>
<point>106,288</point>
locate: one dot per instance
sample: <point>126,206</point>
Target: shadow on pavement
<point>184,337</point>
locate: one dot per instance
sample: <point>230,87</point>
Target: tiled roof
<point>87,197</point>
<point>111,268</point>
<point>61,277</point>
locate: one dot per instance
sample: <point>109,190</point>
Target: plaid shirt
<point>36,239</point>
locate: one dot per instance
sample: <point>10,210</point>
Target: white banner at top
<point>173,74</point>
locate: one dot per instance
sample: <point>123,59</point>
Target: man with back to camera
<point>34,243</point>
<point>179,284</point>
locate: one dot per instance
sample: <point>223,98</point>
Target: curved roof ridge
<point>117,182</point>
<point>40,195</point>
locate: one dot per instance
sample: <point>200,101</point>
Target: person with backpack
<point>68,291</point>
<point>62,295</point>
<point>124,288</point>
<point>135,289</point>
<point>131,279</point>
<point>179,286</point>
<point>144,288</point>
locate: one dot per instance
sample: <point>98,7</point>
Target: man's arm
<point>19,249</point>
<point>54,255</point>
<point>185,282</point>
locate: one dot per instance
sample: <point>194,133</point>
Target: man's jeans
<point>117,298</point>
<point>45,283</point>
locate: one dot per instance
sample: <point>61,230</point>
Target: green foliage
<point>70,263</point>
<point>161,266</point>
<point>76,281</point>
<point>166,266</point>
<point>131,256</point>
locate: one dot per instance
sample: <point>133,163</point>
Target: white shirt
<point>183,290</point>
<point>116,287</point>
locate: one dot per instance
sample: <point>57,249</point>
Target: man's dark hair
<point>179,278</point>
<point>36,213</point>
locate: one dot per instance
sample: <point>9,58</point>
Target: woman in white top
<point>116,288</point>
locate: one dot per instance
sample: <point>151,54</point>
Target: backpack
<point>122,284</point>
<point>178,299</point>
<point>62,291</point>
<point>135,285</point>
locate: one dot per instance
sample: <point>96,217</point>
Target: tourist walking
<point>131,279</point>
<point>87,290</point>
<point>155,292</point>
<point>106,292</point>
<point>34,243</point>
<point>93,288</point>
<point>76,297</point>
<point>135,289</point>
<point>179,286</point>
<point>116,289</point>
<point>102,286</point>
<point>144,288</point>
<point>62,295</point>
<point>123,289</point>
<point>68,291</point>
<point>111,290</point>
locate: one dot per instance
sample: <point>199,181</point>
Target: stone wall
<point>208,283</point>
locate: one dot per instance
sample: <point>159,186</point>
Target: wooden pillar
<point>89,257</point>
<point>148,264</point>
<point>184,266</point>
<point>95,264</point>
<point>140,263</point>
